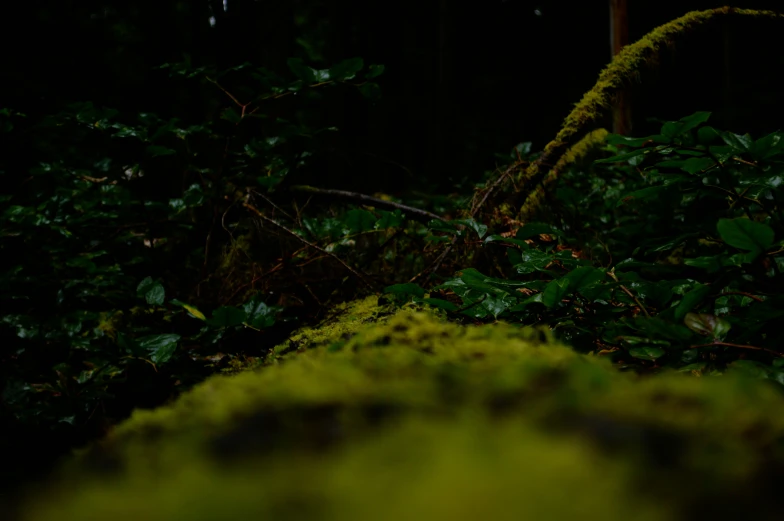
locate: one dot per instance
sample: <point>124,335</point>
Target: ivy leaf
<point>156,151</point>
<point>370,91</point>
<point>696,119</point>
<point>533,260</point>
<point>440,303</point>
<point>405,290</point>
<point>534,229</point>
<point>650,192</point>
<point>374,71</point>
<point>160,347</point>
<point>390,219</point>
<point>626,156</point>
<point>740,144</point>
<point>192,311</point>
<point>358,221</point>
<point>555,291</point>
<point>347,69</point>
<point>227,316</point>
<point>707,324</point>
<point>707,135</point>
<point>301,71</point>
<point>747,235</point>
<point>585,276</point>
<point>258,314</point>
<point>151,291</point>
<point>697,164</point>
<point>690,300</point>
<point>647,353</point>
<point>480,229</point>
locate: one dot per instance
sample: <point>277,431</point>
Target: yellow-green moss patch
<point>412,417</point>
<point>343,320</point>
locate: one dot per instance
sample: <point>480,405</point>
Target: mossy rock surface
<point>392,416</point>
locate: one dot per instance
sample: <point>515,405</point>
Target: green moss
<point>412,417</point>
<point>343,321</point>
<point>576,153</point>
<point>623,70</point>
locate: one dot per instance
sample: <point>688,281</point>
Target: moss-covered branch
<point>624,68</point>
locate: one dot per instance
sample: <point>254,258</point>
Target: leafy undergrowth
<point>668,254</point>
<point>408,416</point>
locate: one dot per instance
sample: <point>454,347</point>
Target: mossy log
<point>624,69</point>
<point>388,415</point>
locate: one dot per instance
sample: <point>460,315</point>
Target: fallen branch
<point>414,213</point>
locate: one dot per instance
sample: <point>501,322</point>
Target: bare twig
<point>611,273</point>
<point>415,213</point>
<point>504,175</point>
<point>741,346</point>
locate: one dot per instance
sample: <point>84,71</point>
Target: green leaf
<point>672,129</point>
<point>534,228</point>
<point>321,75</point>
<point>585,276</point>
<point>751,368</point>
<point>616,139</point>
<point>533,260</point>
<point>374,71</point>
<point>555,291</point>
<point>711,264</point>
<point>647,353</point>
<point>231,115</point>
<point>738,143</point>
<point>439,303</point>
<point>625,156</point>
<point>151,291</point>
<point>347,69</point>
<point>160,347</point>
<point>707,135</point>
<point>693,368</point>
<point>671,163</point>
<point>480,229</point>
<point>389,220</point>
<point>258,314</point>
<point>697,164</point>
<point>477,281</point>
<point>501,238</point>
<point>358,221</point>
<point>405,290</point>
<point>192,311</point>
<point>301,71</point>
<point>690,122</point>
<point>745,234</point>
<point>495,306</point>
<point>370,91</point>
<point>651,192</point>
<point>657,327</point>
<point>522,149</point>
<point>155,151</point>
<point>767,147</point>
<point>707,324</point>
<point>227,316</point>
<point>691,299</point>
<point>722,153</point>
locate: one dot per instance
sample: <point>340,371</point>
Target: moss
<point>580,150</point>
<point>417,418</point>
<point>624,69</point>
<point>343,321</point>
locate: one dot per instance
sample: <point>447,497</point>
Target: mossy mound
<point>411,417</point>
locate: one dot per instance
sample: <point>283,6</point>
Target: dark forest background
<point>463,80</point>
